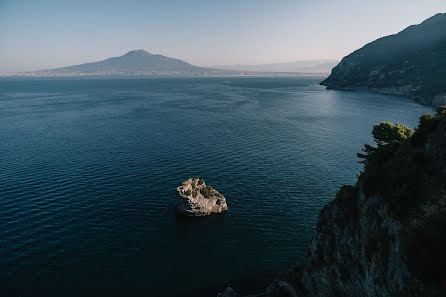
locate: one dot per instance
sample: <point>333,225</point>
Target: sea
<point>89,168</point>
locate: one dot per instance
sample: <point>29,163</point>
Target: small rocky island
<point>194,198</point>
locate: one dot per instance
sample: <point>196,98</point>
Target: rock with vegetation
<point>195,198</point>
<point>411,63</point>
<point>385,235</point>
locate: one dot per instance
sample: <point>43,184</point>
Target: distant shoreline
<point>95,76</point>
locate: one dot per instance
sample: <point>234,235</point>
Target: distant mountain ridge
<point>411,63</point>
<point>143,63</point>
<point>137,62</point>
<point>310,66</point>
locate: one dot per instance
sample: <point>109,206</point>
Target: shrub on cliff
<point>388,158</point>
<point>388,137</point>
<point>387,133</point>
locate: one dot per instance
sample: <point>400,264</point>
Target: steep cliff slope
<point>385,236</point>
<point>411,63</point>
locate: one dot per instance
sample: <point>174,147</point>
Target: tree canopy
<point>388,137</point>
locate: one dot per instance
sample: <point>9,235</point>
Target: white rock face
<point>194,198</point>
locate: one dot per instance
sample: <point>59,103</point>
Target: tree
<point>387,133</point>
<point>388,137</point>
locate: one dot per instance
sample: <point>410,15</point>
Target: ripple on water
<point>89,170</point>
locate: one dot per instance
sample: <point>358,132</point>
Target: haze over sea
<point>89,167</point>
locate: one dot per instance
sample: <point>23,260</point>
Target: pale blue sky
<point>40,34</point>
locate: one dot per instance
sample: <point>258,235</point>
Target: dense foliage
<point>398,167</point>
<point>388,138</point>
<point>408,170</point>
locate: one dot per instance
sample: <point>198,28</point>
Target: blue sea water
<point>89,167</point>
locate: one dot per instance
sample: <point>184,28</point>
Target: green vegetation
<point>398,168</point>
<point>388,138</point>
<point>198,186</point>
<point>207,192</point>
<point>408,170</point>
<point>387,167</point>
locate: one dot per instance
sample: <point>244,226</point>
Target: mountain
<point>311,66</point>
<point>411,63</point>
<point>143,63</point>
<point>385,235</point>
<point>138,62</point>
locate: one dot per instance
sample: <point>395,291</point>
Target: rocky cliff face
<point>385,236</point>
<point>411,63</point>
<point>388,241</point>
<point>356,251</point>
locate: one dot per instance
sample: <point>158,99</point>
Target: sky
<point>43,34</point>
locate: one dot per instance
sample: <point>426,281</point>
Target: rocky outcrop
<point>411,63</point>
<point>194,198</point>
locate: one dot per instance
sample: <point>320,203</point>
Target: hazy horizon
<point>49,34</point>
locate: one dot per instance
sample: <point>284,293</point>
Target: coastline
<point>435,101</point>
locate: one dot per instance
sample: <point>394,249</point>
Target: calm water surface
<point>88,172</point>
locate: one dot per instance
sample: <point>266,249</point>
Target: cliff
<point>411,63</point>
<point>384,236</point>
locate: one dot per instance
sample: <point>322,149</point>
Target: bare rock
<point>195,198</point>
